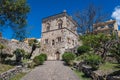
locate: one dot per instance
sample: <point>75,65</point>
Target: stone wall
<point>14,45</point>
<point>10,73</point>
<point>96,74</point>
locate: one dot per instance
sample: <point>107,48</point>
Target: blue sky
<point>44,8</point>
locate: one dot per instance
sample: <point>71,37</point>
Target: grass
<point>25,60</point>
<point>18,76</point>
<point>81,75</point>
<point>109,66</point>
<point>5,67</point>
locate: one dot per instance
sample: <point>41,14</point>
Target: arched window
<point>60,23</point>
<point>47,27</point>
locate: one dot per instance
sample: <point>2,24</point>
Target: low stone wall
<point>98,74</point>
<point>10,73</point>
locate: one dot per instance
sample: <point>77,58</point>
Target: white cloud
<point>116,14</point>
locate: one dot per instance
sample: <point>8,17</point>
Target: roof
<point>59,15</point>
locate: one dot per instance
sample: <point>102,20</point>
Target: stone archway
<point>57,54</point>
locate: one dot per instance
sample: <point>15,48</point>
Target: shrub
<point>31,65</point>
<point>4,56</point>
<point>81,57</point>
<point>18,54</point>
<point>44,55</point>
<point>83,49</point>
<point>39,60</point>
<point>68,57</point>
<point>93,60</point>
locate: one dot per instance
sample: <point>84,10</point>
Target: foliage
<point>95,41</point>
<point>32,41</point>
<point>13,13</point>
<point>115,50</point>
<point>93,60</point>
<point>26,56</point>
<point>81,57</point>
<point>2,46</point>
<point>109,66</point>
<point>4,67</point>
<point>19,53</point>
<point>83,49</point>
<point>18,76</point>
<point>81,75</point>
<point>44,55</point>
<point>2,56</point>
<point>39,60</point>
<point>68,57</point>
<point>35,44</point>
<point>31,65</point>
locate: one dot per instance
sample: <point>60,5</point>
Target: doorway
<point>57,55</point>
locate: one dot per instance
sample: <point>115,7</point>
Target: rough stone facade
<point>13,45</point>
<point>58,35</point>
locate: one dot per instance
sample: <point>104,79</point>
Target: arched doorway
<point>57,55</point>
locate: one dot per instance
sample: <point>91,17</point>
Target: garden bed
<point>18,76</point>
<point>5,67</point>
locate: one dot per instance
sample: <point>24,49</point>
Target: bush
<point>83,49</point>
<point>44,55</point>
<point>39,60</point>
<point>68,57</point>
<point>81,57</point>
<point>93,60</point>
<point>31,65</point>
<point>18,53</point>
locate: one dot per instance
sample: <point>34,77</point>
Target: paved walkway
<point>51,70</point>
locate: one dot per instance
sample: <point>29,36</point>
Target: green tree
<point>1,51</point>
<point>95,41</point>
<point>68,57</point>
<point>35,44</point>
<point>19,54</point>
<point>83,49</point>
<point>13,13</point>
<point>115,50</point>
<point>93,60</point>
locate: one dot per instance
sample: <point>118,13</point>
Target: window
<point>48,27</point>
<point>73,42</point>
<point>53,42</point>
<point>59,39</point>
<point>46,41</point>
<point>60,23</point>
<point>110,25</point>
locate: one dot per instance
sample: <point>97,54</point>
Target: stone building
<point>27,40</point>
<point>58,35</point>
<point>106,27</point>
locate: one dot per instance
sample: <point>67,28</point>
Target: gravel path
<point>51,70</point>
